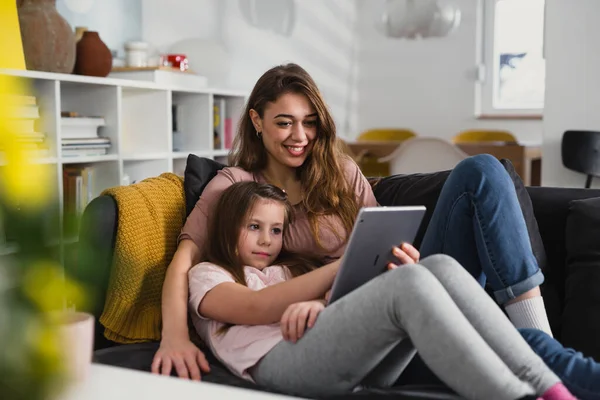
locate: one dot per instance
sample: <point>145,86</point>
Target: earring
<point>259,135</point>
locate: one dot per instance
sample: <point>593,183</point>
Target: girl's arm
<point>239,305</point>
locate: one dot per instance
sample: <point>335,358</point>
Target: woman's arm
<point>189,253</point>
<point>175,290</point>
<point>176,350</point>
<point>237,304</point>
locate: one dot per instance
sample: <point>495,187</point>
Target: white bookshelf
<point>138,121</point>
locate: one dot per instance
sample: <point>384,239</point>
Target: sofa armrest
<point>97,235</point>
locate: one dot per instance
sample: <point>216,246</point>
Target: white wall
<point>322,41</point>
<point>426,85</point>
<point>572,82</point>
<point>116,21</point>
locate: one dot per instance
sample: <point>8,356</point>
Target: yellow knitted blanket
<point>151,214</point>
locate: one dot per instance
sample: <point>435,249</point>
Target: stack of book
<point>79,136</point>
<point>23,115</point>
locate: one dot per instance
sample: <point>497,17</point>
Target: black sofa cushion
<point>551,206</point>
<point>198,172</point>
<point>581,320</point>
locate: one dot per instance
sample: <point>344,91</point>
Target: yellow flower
<point>23,181</point>
<point>46,286</point>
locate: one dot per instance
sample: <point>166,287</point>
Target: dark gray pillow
<point>198,172</point>
<point>537,244</point>
<point>581,314</point>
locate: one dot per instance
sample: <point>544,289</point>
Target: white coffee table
<point>107,382</point>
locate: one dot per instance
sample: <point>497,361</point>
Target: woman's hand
<point>182,354</point>
<point>406,254</point>
<point>299,316</point>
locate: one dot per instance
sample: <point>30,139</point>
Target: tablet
<point>369,249</point>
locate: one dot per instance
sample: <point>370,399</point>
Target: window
<point>514,69</point>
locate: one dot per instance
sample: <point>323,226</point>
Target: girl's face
<point>261,238</point>
<point>289,128</point>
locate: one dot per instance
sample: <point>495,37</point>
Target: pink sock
<point>558,392</point>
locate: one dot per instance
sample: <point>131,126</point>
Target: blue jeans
<point>478,221</point>
<point>579,374</point>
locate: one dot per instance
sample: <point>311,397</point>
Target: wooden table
<point>526,157</point>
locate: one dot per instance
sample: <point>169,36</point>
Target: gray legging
<point>366,338</point>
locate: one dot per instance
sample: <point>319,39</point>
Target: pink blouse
<point>242,346</point>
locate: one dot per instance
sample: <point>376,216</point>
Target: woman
<point>287,138</point>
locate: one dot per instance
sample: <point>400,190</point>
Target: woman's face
<point>289,128</point>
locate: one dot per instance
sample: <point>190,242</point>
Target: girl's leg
<point>355,334</point>
<point>478,221</point>
<point>579,374</point>
<point>489,321</point>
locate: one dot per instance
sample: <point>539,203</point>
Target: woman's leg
<point>478,221</point>
<point>353,336</point>
<point>489,321</point>
<point>579,374</point>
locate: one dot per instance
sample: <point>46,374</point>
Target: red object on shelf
<point>179,61</point>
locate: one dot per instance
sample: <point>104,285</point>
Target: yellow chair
<point>380,135</point>
<point>472,136</point>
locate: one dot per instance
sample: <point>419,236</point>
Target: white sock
<point>529,313</point>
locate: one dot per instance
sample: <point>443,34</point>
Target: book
<point>228,133</point>
<point>23,112</point>
<point>21,125</point>
<point>85,141</point>
<point>32,137</point>
<point>21,99</point>
<point>78,152</point>
<point>162,76</point>
<point>84,127</point>
<point>219,123</point>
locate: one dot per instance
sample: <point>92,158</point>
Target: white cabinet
<point>139,121</point>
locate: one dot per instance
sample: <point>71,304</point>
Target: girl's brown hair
<point>231,215</point>
<point>326,190</point>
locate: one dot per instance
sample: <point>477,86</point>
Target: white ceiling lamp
<point>412,19</point>
<point>277,16</point>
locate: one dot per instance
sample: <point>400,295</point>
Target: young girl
<point>263,315</point>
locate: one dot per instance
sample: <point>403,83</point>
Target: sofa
<point>564,226</point>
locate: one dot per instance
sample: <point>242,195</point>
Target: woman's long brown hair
<point>326,190</point>
<point>231,215</point>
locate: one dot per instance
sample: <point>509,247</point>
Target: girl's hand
<point>298,317</point>
<point>406,254</point>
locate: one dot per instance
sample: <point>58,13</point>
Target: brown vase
<point>93,56</point>
<point>48,40</point>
